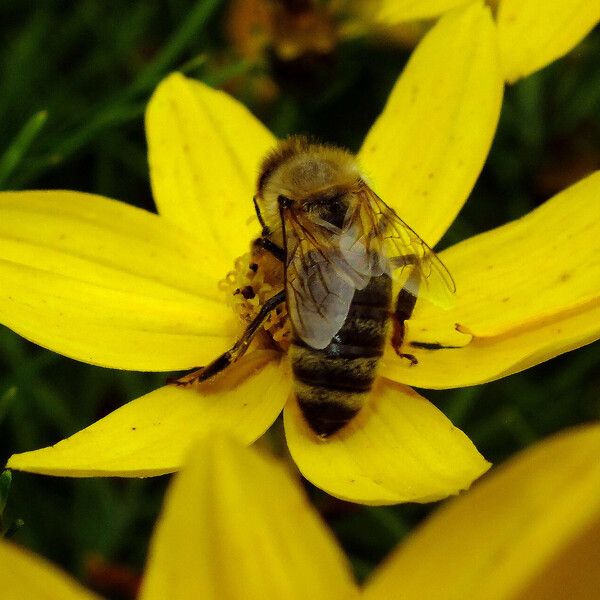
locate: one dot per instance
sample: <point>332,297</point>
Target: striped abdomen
<point>333,384</point>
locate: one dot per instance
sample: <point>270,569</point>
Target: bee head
<point>312,177</point>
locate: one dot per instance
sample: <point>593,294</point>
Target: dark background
<point>92,66</point>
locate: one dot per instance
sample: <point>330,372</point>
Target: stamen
<point>256,278</point>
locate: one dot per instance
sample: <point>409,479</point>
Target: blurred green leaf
<point>5,482</point>
<point>6,399</point>
<point>196,20</point>
<point>14,154</point>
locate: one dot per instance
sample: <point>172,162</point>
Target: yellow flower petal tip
<point>534,33</point>
<point>204,150</point>
<point>529,530</point>
<point>426,150</point>
<point>400,448</point>
<point>151,435</point>
<point>236,538</point>
<point>514,307</point>
<point>24,576</point>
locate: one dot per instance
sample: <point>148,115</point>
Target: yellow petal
<point>526,292</point>
<point>426,150</point>
<point>235,526</point>
<point>107,283</point>
<point>501,537</point>
<point>533,33</point>
<point>392,12</point>
<point>150,435</point>
<point>573,573</point>
<point>399,448</point>
<point>204,151</point>
<point>24,576</point>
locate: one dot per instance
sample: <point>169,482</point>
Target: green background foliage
<point>74,81</point>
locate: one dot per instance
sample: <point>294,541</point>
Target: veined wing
<point>376,240</point>
<point>320,282</point>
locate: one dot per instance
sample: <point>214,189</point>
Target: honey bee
<point>340,246</point>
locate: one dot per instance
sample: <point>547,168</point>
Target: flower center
<point>255,278</point>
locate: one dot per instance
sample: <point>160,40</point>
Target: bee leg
<point>263,241</point>
<point>237,350</point>
<point>405,303</point>
<point>266,244</point>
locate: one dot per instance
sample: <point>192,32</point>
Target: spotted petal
<point>425,151</point>
<point>107,283</point>
<point>151,435</point>
<point>526,292</point>
<point>204,150</point>
<point>399,448</point>
<point>533,33</point>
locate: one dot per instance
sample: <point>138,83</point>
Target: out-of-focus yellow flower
<point>298,39</point>
<point>530,33</point>
<point>235,526</point>
<point>291,29</point>
<point>112,285</point>
<point>529,531</point>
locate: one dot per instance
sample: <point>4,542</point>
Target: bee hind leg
<point>236,351</point>
<point>405,303</point>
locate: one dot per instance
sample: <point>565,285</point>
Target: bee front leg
<point>266,244</point>
<point>237,350</point>
<point>263,241</point>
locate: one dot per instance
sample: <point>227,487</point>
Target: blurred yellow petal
<point>24,576</point>
<point>235,526</point>
<point>573,573</point>
<point>502,537</point>
<point>107,283</point>
<point>399,448</point>
<point>526,292</point>
<point>533,33</point>
<point>425,151</point>
<point>151,435</point>
<point>204,150</point>
<point>391,12</point>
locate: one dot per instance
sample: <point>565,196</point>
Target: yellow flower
<point>116,286</point>
<point>530,33</point>
<point>531,530</point>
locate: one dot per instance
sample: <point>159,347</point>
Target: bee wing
<point>320,282</point>
<point>379,241</point>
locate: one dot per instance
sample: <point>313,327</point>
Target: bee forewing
<point>320,280</point>
<point>318,301</point>
<point>364,256</point>
<point>433,287</point>
<point>412,260</point>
